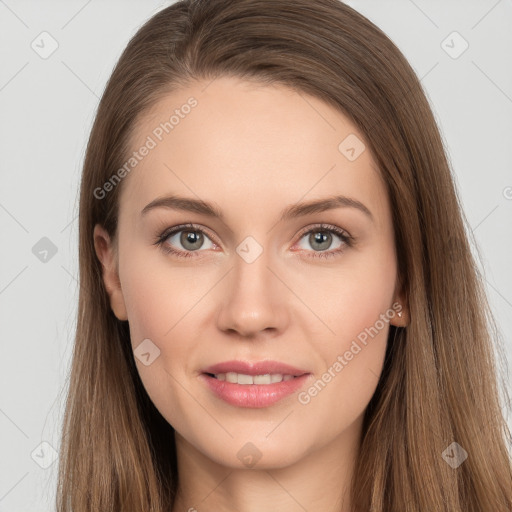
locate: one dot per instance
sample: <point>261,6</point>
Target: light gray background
<point>47,107</point>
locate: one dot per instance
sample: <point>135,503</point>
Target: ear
<point>401,309</point>
<point>107,255</point>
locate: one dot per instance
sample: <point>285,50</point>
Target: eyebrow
<point>201,207</point>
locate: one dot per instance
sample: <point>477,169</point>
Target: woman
<point>279,308</point>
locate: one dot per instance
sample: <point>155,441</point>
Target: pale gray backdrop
<point>55,60</point>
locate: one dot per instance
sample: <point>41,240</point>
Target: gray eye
<point>320,240</point>
<point>190,240</point>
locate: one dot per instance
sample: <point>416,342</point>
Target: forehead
<point>248,146</point>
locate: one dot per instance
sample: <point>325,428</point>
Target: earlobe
<point>107,256</point>
<point>401,317</point>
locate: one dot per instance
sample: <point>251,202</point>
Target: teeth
<point>240,378</point>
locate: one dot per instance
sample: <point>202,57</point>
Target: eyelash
<point>323,228</point>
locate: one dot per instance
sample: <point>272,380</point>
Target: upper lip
<point>254,368</point>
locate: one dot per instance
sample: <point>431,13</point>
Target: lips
<point>254,384</point>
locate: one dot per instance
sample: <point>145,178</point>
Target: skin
<point>253,150</point>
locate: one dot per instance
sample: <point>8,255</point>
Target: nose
<point>253,299</point>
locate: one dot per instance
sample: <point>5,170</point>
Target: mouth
<point>244,379</point>
<point>229,369</point>
<point>253,385</point>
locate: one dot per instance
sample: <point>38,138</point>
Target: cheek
<point>352,363</point>
<point>364,310</point>
<point>351,299</point>
<point>357,305</point>
<point>157,310</point>
<point>163,305</point>
<point>157,297</point>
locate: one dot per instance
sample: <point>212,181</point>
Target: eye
<point>185,240</point>
<point>188,238</point>
<point>321,237</point>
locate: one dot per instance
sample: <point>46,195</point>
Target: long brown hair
<point>439,381</point>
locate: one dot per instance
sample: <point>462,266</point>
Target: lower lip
<point>253,395</point>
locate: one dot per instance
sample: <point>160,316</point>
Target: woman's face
<point>260,282</point>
